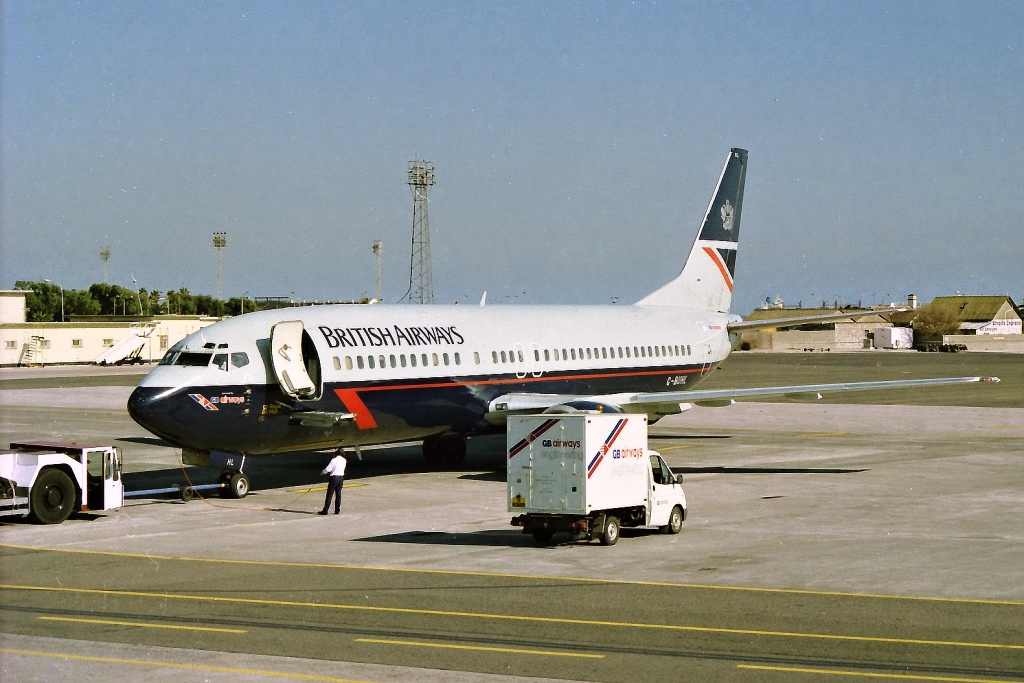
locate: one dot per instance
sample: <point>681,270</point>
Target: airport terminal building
<point>87,339</point>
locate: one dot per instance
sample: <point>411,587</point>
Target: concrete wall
<point>1010,343</point>
<point>12,306</point>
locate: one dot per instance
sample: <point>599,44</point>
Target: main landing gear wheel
<point>449,448</point>
<point>236,484</point>
<point>52,498</point>
<point>610,532</point>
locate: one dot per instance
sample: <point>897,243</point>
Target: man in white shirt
<point>336,471</point>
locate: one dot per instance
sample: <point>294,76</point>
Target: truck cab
<point>47,481</point>
<point>667,502</point>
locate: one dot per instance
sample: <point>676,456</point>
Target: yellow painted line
<point>508,617</point>
<point>478,648</point>
<point>530,577</point>
<point>142,624</point>
<point>174,665</point>
<point>665,449</point>
<point>864,674</point>
<point>322,488</point>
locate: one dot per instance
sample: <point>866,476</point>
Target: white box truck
<point>47,481</point>
<point>589,474</point>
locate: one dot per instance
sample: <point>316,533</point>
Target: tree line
<point>48,302</point>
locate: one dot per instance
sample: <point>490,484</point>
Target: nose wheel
<point>236,484</point>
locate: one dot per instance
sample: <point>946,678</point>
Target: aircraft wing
<point>667,403</point>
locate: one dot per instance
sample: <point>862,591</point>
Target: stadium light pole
<point>61,297</point>
<point>136,283</point>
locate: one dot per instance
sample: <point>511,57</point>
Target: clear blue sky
<point>576,145</point>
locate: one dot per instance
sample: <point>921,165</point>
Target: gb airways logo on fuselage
<point>211,403</point>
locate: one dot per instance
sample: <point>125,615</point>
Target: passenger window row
<point>402,360</point>
<point>413,360</point>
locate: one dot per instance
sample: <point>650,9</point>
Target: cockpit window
<point>193,359</point>
<point>221,361</point>
<point>239,359</point>
<point>172,354</point>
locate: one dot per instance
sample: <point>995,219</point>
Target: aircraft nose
<point>147,406</point>
<point>138,405</point>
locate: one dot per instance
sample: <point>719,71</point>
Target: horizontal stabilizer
<point>744,325</point>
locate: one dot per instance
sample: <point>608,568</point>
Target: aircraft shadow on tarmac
<point>303,468</point>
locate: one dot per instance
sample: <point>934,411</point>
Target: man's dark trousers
<point>334,485</point>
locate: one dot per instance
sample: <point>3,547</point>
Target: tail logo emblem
<point>727,214</point>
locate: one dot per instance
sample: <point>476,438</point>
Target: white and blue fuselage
<point>380,374</point>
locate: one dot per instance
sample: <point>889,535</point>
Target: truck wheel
<point>53,497</point>
<point>238,485</point>
<point>675,521</point>
<point>610,532</point>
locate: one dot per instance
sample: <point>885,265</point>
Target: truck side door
<point>105,488</point>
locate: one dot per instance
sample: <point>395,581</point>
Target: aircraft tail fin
<point>706,280</point>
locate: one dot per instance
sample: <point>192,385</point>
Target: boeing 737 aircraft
<point>350,375</point>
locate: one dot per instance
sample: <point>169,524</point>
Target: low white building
<point>894,338</point>
<point>84,340</point>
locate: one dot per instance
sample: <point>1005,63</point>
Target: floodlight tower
<point>220,240</point>
<point>421,287</point>
<point>378,245</point>
<point>105,255</point>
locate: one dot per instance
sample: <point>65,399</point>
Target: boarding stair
<point>31,352</point>
<point>127,350</point>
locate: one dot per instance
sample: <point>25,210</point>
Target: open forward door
<point>295,360</point>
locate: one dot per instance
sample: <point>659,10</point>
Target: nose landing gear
<point>235,483</point>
